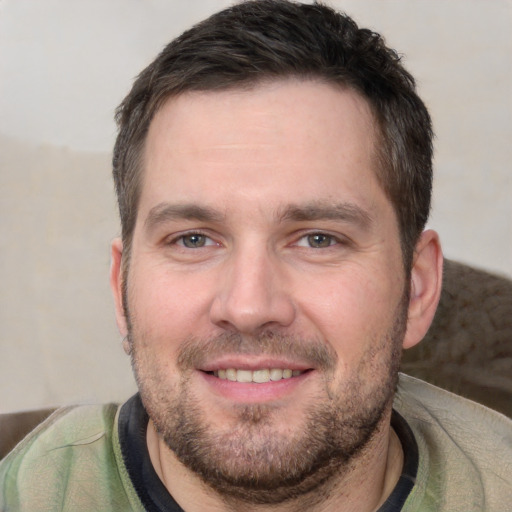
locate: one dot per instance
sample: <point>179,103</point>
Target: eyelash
<point>331,239</point>
<point>307,237</point>
<point>180,240</point>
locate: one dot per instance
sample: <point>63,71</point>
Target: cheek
<point>351,311</point>
<point>167,308</point>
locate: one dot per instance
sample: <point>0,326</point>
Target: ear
<point>426,282</point>
<point>116,285</point>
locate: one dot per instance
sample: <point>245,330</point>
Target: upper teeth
<point>260,376</point>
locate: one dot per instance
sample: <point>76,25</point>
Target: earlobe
<point>426,282</point>
<point>116,285</point>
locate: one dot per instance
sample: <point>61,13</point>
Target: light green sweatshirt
<point>73,461</point>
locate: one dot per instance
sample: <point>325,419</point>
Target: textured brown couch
<point>468,349</point>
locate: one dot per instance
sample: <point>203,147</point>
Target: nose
<point>253,294</point>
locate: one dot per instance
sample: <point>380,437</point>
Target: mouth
<point>240,380</point>
<point>259,376</point>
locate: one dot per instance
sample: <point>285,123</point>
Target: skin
<point>294,237</point>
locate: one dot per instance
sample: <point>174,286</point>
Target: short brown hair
<point>271,39</point>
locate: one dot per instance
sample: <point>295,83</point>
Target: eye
<point>317,241</point>
<point>194,241</point>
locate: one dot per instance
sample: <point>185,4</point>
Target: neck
<point>364,486</point>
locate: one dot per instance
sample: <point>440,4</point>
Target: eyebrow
<point>347,212</point>
<point>166,212</point>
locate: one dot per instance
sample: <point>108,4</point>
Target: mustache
<point>195,352</point>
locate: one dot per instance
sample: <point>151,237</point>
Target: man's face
<point>265,251</point>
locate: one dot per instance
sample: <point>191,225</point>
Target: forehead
<point>283,138</point>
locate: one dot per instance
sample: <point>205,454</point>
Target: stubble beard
<point>253,461</point>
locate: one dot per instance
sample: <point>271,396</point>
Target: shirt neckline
<point>132,428</point>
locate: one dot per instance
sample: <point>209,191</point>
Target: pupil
<point>194,241</point>
<point>319,240</point>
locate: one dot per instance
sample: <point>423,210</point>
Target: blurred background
<point>64,67</point>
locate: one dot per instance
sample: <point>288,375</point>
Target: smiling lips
<point>258,376</point>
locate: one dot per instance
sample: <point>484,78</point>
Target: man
<point>273,172</point>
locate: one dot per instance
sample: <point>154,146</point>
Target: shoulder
<point>67,427</point>
<point>427,406</point>
<point>70,458</point>
<point>465,448</point>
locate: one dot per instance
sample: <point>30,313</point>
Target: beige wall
<point>65,65</point>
